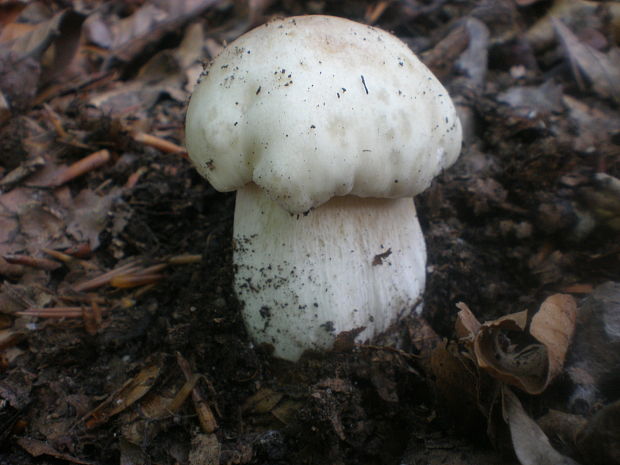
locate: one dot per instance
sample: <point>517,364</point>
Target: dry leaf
<point>148,417</point>
<point>132,390</point>
<point>473,61</point>
<point>540,35</point>
<point>61,34</point>
<point>205,450</point>
<point>203,410</point>
<point>528,360</point>
<point>286,410</point>
<point>542,99</point>
<point>262,401</point>
<point>553,326</point>
<point>150,23</point>
<point>466,326</point>
<point>190,51</point>
<point>90,213</point>
<point>456,382</point>
<point>602,70</point>
<point>37,448</point>
<point>530,443</point>
<point>19,78</point>
<point>505,351</point>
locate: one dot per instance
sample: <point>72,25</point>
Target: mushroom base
<point>349,264</point>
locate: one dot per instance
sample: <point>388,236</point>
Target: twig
<point>374,12</point>
<point>132,180</point>
<point>159,143</point>
<point>186,259</point>
<point>92,318</point>
<point>33,262</point>
<point>56,312</point>
<point>82,250</point>
<point>80,167</point>
<point>205,415</point>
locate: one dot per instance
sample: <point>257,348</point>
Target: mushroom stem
<point>304,278</point>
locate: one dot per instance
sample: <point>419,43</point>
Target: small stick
<point>151,269</point>
<point>82,250</point>
<point>159,143</point>
<point>132,180</point>
<point>205,415</point>
<point>33,262</point>
<point>185,259</point>
<point>97,311</point>
<point>91,316</point>
<point>80,167</point>
<point>579,288</point>
<point>374,12</point>
<point>63,257</point>
<point>127,281</point>
<point>143,290</point>
<point>66,258</point>
<point>56,312</point>
<point>183,393</point>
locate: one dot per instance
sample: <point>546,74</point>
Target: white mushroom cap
<point>313,107</point>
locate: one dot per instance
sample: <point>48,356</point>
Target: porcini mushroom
<point>326,128</point>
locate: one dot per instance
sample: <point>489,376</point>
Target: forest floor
<point>121,340</point>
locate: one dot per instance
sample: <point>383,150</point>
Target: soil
<point>521,216</point>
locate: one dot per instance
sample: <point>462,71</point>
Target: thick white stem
<point>350,263</point>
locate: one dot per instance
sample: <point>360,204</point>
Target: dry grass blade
<point>129,281</point>
<point>137,278</point>
<point>57,312</point>
<point>151,269</point>
<point>133,390</point>
<point>105,278</point>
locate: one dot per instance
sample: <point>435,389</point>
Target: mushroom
<point>326,129</point>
